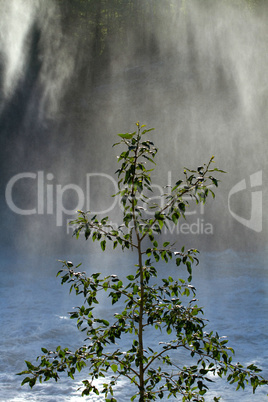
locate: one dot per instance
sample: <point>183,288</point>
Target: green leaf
<point>127,136</point>
<point>189,267</point>
<point>29,365</point>
<point>175,218</point>
<point>146,130</point>
<point>114,367</point>
<point>27,379</point>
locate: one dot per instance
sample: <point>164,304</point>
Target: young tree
<point>148,305</point>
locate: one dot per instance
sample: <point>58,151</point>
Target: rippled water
<point>233,288</point>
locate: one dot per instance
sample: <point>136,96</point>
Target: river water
<point>232,287</point>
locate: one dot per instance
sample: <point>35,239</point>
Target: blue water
<point>232,288</point>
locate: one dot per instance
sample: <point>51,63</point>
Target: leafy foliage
<point>169,307</point>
